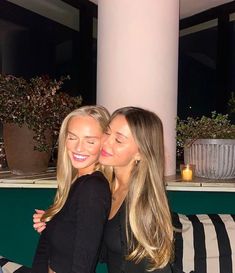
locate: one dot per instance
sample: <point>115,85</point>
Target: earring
<point>137,162</point>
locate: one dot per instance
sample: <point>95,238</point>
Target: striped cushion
<point>206,243</point>
<point>8,266</point>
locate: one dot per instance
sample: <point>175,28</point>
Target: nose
<point>107,141</point>
<point>79,146</point>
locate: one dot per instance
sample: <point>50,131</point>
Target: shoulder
<point>93,189</point>
<point>95,182</point>
<point>96,179</point>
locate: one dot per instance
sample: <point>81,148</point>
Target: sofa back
<point>8,266</point>
<point>205,243</point>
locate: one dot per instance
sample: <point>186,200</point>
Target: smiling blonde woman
<point>76,220</point>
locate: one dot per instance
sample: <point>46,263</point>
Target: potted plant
<point>209,143</point>
<point>35,107</point>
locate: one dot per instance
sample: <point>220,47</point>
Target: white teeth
<point>80,157</point>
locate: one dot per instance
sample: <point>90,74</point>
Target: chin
<point>79,165</point>
<point>105,162</point>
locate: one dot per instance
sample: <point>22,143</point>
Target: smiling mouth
<point>104,153</point>
<point>79,157</point>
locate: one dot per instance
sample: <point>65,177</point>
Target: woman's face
<point>119,148</point>
<point>83,143</point>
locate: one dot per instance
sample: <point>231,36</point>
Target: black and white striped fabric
<point>206,243</point>
<point>8,266</point>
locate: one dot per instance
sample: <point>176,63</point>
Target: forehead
<point>84,123</point>
<point>120,125</point>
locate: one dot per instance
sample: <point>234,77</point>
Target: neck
<point>119,189</point>
<point>121,178</point>
<point>87,170</point>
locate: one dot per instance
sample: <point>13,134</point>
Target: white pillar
<point>138,60</point>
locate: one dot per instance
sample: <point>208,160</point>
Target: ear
<point>137,157</point>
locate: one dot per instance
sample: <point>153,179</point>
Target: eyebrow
<point>88,137</point>
<point>92,137</point>
<point>120,134</point>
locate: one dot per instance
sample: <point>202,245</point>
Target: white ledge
<point>174,183</point>
<point>47,180</point>
<point>43,180</point>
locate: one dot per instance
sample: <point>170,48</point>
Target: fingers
<point>37,216</point>
<point>41,229</point>
<point>37,220</point>
<point>38,225</point>
<point>40,211</point>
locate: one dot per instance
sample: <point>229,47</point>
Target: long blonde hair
<point>149,228</point>
<point>66,173</point>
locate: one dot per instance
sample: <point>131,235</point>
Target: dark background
<point>207,64</point>
<point>34,45</point>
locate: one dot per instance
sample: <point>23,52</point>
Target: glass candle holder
<point>187,172</point>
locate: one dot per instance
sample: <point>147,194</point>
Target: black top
<point>71,241</point>
<point>115,248</point>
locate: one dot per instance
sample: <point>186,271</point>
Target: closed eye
<point>90,142</point>
<point>71,138</point>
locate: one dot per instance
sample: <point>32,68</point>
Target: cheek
<point>94,149</point>
<point>124,155</point>
<point>69,145</point>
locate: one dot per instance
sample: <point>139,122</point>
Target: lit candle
<point>187,174</point>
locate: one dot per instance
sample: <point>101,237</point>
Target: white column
<point>138,60</point>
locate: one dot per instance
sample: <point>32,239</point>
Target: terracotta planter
<point>214,158</point>
<point>20,154</point>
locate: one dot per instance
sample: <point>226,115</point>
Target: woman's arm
<point>41,257</point>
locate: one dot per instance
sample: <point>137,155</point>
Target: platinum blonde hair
<point>66,173</point>
<point>148,219</point>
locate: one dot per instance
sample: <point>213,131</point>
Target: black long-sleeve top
<point>71,241</point>
<point>114,248</point>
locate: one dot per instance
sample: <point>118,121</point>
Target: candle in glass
<point>187,172</point>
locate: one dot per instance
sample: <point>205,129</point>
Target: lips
<point>79,157</point>
<point>104,153</point>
